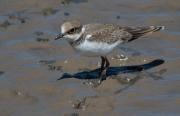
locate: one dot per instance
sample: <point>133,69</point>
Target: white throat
<point>73,37</point>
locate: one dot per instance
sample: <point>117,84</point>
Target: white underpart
<point>93,48</point>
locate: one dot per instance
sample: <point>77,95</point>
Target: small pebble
<point>1,72</point>
<point>55,68</point>
<point>118,17</point>
<point>66,14</point>
<point>22,19</point>
<point>128,80</point>
<point>48,11</point>
<point>38,33</point>
<point>66,61</point>
<point>42,39</point>
<point>47,61</point>
<point>5,24</point>
<point>72,114</point>
<point>84,107</point>
<point>120,57</point>
<point>79,104</point>
<point>65,2</point>
<point>19,93</point>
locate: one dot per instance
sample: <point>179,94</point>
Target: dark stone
<point>66,14</point>
<point>118,17</point>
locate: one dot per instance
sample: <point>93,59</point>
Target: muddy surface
<point>42,77</point>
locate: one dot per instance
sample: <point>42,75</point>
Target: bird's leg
<point>104,67</point>
<point>101,74</point>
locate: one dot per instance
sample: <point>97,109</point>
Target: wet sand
<point>42,77</point>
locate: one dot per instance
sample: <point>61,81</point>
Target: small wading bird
<point>98,40</point>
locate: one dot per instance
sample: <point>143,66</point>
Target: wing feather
<point>108,33</point>
<point>111,33</point>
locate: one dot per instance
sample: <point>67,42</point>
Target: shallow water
<point>31,62</point>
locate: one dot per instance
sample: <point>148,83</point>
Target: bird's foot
<point>93,83</point>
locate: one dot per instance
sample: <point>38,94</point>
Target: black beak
<point>60,36</point>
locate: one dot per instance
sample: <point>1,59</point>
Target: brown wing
<point>140,31</point>
<point>108,33</point>
<point>112,33</point>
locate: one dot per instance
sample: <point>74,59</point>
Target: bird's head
<point>70,30</point>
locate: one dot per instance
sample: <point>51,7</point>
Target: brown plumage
<point>111,33</point>
<point>140,31</point>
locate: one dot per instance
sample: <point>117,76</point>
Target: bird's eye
<point>72,31</point>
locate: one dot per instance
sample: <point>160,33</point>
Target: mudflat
<point>43,77</point>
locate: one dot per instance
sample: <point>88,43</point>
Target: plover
<point>98,40</point>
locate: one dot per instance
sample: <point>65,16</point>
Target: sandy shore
<point>41,77</point>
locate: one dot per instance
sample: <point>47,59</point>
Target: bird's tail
<point>140,31</point>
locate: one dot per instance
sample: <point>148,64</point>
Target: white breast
<point>92,48</point>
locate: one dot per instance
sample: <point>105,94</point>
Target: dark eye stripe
<point>73,30</point>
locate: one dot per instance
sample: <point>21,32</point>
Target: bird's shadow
<point>113,71</point>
